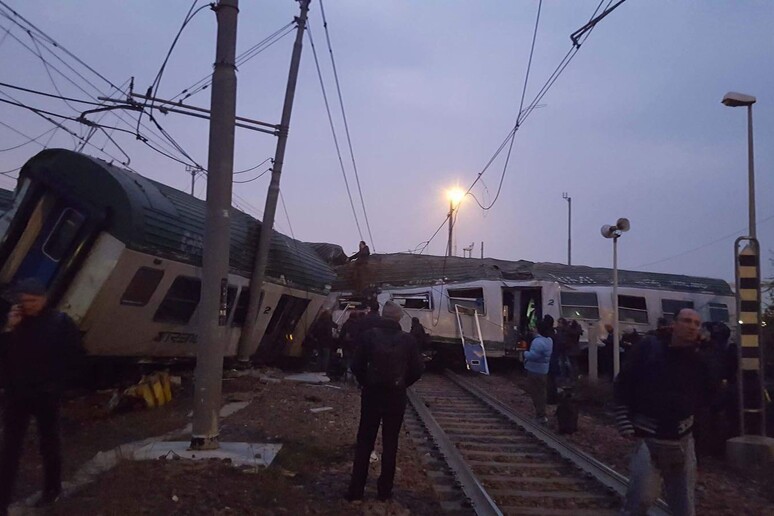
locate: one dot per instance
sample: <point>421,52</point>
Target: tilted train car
<point>496,301</point>
<point>122,254</point>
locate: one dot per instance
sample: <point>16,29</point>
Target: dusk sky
<point>633,127</point>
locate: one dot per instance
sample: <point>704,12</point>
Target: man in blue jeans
<point>655,394</point>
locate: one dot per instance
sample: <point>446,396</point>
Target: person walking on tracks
<point>656,394</point>
<point>38,349</point>
<point>387,361</point>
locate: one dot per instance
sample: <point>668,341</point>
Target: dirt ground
<point>718,491</point>
<point>309,476</point>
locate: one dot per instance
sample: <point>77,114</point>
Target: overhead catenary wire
<point>242,58</point>
<point>522,116</point>
<point>702,246</point>
<point>346,123</point>
<point>78,74</point>
<point>333,129</point>
<point>50,41</point>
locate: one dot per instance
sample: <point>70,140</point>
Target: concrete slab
<point>240,454</point>
<point>751,451</point>
<point>308,378</point>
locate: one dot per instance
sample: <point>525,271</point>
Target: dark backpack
<point>388,357</point>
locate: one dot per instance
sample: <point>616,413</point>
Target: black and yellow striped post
<point>752,404</point>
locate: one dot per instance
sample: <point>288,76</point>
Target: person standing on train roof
<point>39,349</point>
<point>536,362</point>
<point>387,361</point>
<point>656,392</point>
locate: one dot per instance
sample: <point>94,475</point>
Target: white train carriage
<point>495,302</point>
<point>121,254</point>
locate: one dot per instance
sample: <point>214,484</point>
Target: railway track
<point>487,459</point>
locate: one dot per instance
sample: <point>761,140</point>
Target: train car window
<point>580,305</point>
<point>418,301</point>
<point>633,309</point>
<point>240,312</point>
<point>63,234</point>
<point>142,286</point>
<point>468,299</point>
<point>231,297</point>
<point>352,303</point>
<point>669,307</point>
<point>180,302</point>
<point>718,312</point>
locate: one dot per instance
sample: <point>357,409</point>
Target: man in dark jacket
<point>656,393</point>
<point>387,361</point>
<point>40,346</point>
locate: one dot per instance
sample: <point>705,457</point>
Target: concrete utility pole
<point>569,227</point>
<point>220,168</point>
<point>247,344</point>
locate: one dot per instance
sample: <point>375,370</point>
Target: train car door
<point>280,329</point>
<point>57,238</point>
<point>522,309</point>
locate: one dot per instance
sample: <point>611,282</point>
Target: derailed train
<point>488,306</point>
<point>122,254</point>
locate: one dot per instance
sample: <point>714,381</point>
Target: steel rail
<point>598,470</point>
<point>481,501</point>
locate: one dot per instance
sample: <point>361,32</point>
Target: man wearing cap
<point>38,349</point>
<point>387,361</point>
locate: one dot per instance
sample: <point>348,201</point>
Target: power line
<point>522,116</point>
<point>30,139</point>
<point>242,58</point>
<point>346,124</point>
<point>253,179</point>
<point>726,237</point>
<point>333,129</point>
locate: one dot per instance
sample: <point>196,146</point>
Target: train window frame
<point>190,304</point>
<point>353,302</point>
<point>240,307</point>
<point>56,231</point>
<point>569,309</point>
<point>146,291</point>
<point>714,307</point>
<point>424,298</point>
<point>679,304</point>
<point>467,303</point>
<point>630,312</point>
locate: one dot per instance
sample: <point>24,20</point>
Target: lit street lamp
<point>734,99</point>
<point>455,198</point>
<point>621,226</point>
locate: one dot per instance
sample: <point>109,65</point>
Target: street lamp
<point>566,197</point>
<point>455,196</point>
<point>621,226</point>
<point>734,99</point>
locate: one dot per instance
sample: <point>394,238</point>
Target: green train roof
<point>157,219</point>
<point>408,270</point>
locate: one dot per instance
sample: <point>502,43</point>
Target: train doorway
<point>279,332</point>
<point>522,309</point>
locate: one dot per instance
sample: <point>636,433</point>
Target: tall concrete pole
<point>616,333</point>
<point>451,227</point>
<point>247,341</point>
<point>751,171</point>
<point>569,227</point>
<point>220,168</point>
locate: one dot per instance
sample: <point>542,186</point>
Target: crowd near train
<point>121,254</point>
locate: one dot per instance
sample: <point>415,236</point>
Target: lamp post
<point>621,226</point>
<point>455,196</point>
<point>569,226</point>
<point>734,99</point>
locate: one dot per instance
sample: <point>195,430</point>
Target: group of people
<point>676,382</point>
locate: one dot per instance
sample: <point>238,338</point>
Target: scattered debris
<point>374,457</point>
<point>175,498</point>
<point>308,378</point>
<point>153,390</point>
<point>312,398</point>
<point>320,409</point>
